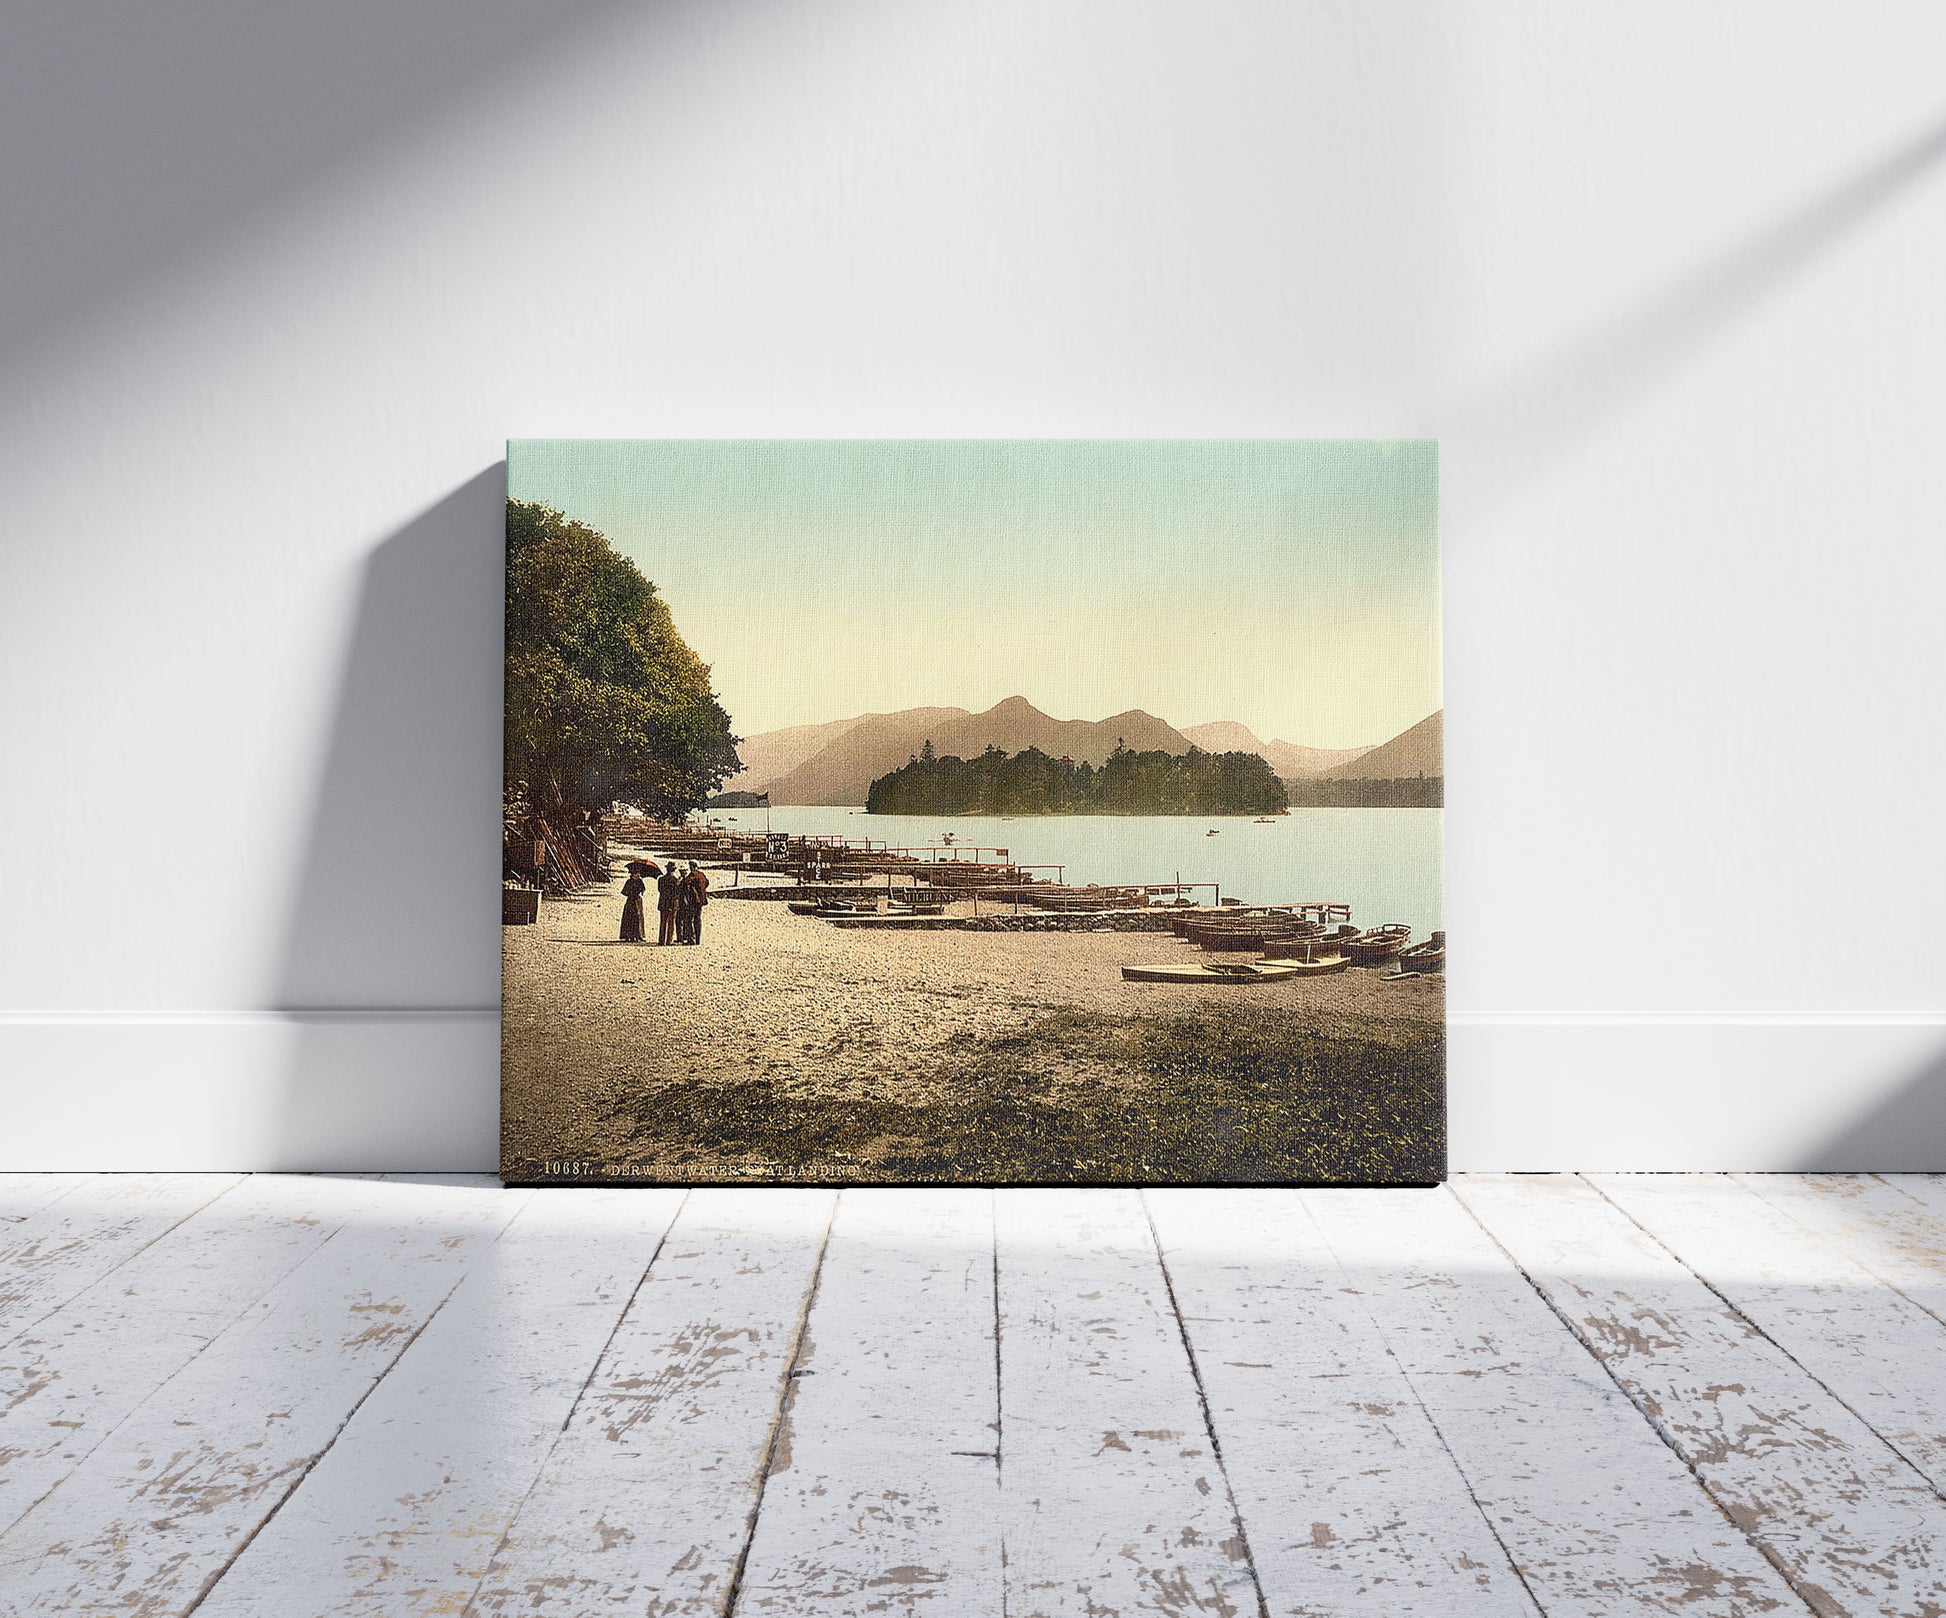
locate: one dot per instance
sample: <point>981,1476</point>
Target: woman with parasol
<point>632,891</point>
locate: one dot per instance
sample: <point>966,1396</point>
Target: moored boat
<point>1427,957</point>
<point>1309,965</point>
<point>1209,972</point>
<point>1227,938</point>
<point>1379,945</point>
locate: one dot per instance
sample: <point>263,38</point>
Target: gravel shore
<point>784,1046</point>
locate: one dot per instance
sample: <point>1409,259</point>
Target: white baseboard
<point>1794,1094</point>
<point>418,1090</point>
<point>251,1090</point>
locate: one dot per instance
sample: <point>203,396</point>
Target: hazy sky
<point>1289,584</point>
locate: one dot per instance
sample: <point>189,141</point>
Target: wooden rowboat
<point>1427,957</point>
<point>1310,966</point>
<point>1230,938</point>
<point>1223,932</point>
<point>1199,972</point>
<point>1379,945</point>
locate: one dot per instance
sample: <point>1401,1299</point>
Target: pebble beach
<point>611,1049</point>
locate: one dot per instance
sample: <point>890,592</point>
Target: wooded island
<point>1126,783</point>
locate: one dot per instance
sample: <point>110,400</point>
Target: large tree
<point>605,700</point>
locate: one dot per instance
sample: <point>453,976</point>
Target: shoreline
<point>783,1047</point>
<point>1386,866</point>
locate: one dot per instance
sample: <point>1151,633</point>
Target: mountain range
<point>1288,759</point>
<point>834,763</point>
<point>1420,750</point>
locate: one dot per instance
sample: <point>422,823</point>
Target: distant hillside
<point>1016,724</point>
<point>835,763</point>
<point>1418,751</point>
<point>777,752</point>
<point>869,746</point>
<point>1288,759</point>
<point>1224,736</point>
<point>1295,763</point>
<point>843,769</point>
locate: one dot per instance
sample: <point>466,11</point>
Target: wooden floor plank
<point>72,1378</point>
<point>60,1249</point>
<point>884,1495</point>
<point>23,1194</point>
<point>403,1514</point>
<point>1113,1499</point>
<point>1350,1500</point>
<point>324,1396</point>
<point>1878,1352</point>
<point>148,1521</point>
<point>645,1503</point>
<point>1894,1224</point>
<point>1926,1189</point>
<point>1852,1524</point>
<point>1599,1516</point>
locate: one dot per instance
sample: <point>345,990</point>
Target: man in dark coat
<point>668,901</point>
<point>695,894</point>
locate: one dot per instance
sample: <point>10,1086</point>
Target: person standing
<point>668,903</point>
<point>695,896</point>
<point>632,891</point>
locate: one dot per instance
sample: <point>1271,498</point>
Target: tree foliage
<point>605,700</point>
<point>1404,792</point>
<point>1032,783</point>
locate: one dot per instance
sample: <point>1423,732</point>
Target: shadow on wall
<point>1904,1134</point>
<point>1516,432</point>
<point>178,126</point>
<point>391,964</point>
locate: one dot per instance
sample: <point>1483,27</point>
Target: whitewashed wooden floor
<point>1540,1394</point>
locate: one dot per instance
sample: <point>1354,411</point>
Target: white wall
<point>1663,277</point>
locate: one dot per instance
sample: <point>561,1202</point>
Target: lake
<point>1384,863</point>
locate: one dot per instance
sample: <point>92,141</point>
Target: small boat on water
<point>1427,957</point>
<point>1212,832</point>
<point>1212,972</point>
<point>1379,945</point>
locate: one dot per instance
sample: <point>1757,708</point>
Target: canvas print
<point>981,812</point>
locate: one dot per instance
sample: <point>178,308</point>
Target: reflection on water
<point>1383,862</point>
